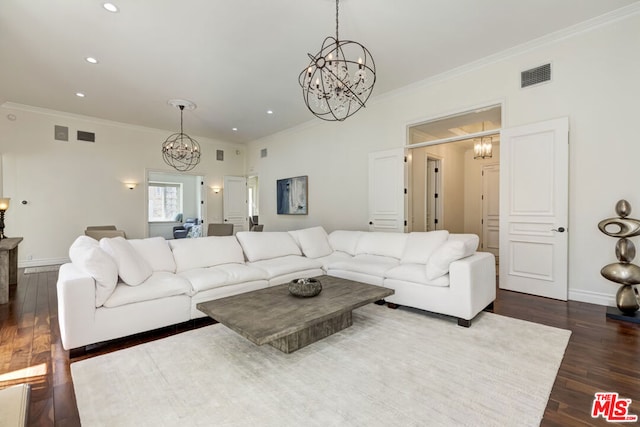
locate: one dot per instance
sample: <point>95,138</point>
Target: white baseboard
<point>42,262</point>
<point>592,297</point>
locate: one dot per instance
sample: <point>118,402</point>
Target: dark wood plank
<point>602,355</point>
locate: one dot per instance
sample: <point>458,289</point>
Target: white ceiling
<point>236,59</point>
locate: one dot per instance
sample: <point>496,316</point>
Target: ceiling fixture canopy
<point>339,79</point>
<point>179,150</point>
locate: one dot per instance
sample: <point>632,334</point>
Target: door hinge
<point>405,222</point>
<point>482,197</point>
<point>437,170</point>
<point>201,182</point>
<point>405,159</point>
<point>435,221</point>
<point>405,191</point>
<point>202,202</point>
<point>435,196</point>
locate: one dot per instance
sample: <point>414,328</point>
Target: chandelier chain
<point>337,1</point>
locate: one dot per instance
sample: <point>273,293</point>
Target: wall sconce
<point>216,189</point>
<point>4,205</point>
<point>131,185</point>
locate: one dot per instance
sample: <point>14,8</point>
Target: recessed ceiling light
<point>80,94</point>
<point>110,7</point>
<point>234,129</point>
<point>269,112</point>
<point>91,60</point>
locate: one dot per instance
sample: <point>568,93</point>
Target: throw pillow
<point>314,242</point>
<point>85,253</point>
<point>132,268</point>
<point>438,263</point>
<point>267,245</point>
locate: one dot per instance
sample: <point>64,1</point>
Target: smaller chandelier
<point>339,79</point>
<point>179,150</point>
<point>483,148</point>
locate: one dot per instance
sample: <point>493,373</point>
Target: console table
<point>8,266</point>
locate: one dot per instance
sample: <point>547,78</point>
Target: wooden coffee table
<point>275,317</point>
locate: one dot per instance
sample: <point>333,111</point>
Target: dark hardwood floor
<point>603,355</point>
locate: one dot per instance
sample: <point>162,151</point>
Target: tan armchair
<point>220,230</point>
<point>99,231</point>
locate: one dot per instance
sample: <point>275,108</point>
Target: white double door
<point>534,187</point>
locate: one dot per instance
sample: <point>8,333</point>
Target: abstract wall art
<point>292,196</point>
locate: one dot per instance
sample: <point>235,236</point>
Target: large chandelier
<point>339,79</point>
<point>179,150</point>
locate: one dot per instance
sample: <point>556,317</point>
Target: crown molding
<point>546,40</point>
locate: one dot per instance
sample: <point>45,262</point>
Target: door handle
<point>559,229</point>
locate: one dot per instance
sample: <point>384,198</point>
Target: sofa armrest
<point>76,306</point>
<point>474,278</point>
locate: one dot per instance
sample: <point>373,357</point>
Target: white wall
<point>68,185</point>
<point>595,83</point>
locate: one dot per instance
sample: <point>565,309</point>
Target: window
<point>165,201</point>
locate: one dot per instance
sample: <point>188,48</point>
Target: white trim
<point>592,297</point>
<point>42,262</point>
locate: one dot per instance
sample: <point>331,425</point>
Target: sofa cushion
<point>421,245</point>
<point>336,256</point>
<point>85,253</point>
<point>202,252</point>
<point>345,240</point>
<point>415,273</point>
<point>267,245</point>
<point>160,284</point>
<point>156,251</point>
<point>285,265</point>
<point>133,269</point>
<point>383,244</point>
<point>373,265</point>
<point>450,251</point>
<point>202,279</point>
<point>314,242</point>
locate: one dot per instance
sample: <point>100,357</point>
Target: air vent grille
<point>263,152</point>
<point>535,76</point>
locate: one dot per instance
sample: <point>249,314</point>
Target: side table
<point>8,266</point>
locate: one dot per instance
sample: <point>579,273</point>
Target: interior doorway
<point>455,198</point>
<point>172,198</point>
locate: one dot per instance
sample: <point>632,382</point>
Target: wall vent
<point>61,133</point>
<point>220,155</point>
<point>86,136</point>
<point>263,152</point>
<point>535,76</point>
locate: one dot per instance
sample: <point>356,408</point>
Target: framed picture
<point>292,195</point>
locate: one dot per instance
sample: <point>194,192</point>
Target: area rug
<point>390,368</point>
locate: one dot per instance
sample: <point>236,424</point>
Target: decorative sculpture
<point>623,272</point>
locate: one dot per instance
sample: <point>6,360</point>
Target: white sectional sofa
<point>117,287</point>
